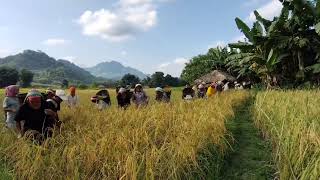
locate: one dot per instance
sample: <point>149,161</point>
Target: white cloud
<point>123,22</point>
<point>69,58</point>
<point>268,11</point>
<point>4,52</point>
<point>124,53</point>
<point>174,67</point>
<point>55,42</point>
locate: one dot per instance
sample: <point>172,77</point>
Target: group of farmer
<point>125,96</point>
<point>35,114</point>
<point>205,90</point>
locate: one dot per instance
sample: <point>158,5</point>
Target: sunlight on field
<point>291,121</point>
<point>162,141</point>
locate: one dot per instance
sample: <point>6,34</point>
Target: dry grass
<point>292,121</point>
<point>161,141</point>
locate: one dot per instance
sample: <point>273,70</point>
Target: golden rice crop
<point>162,141</point>
<point>292,121</point>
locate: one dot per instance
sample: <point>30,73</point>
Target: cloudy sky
<point>150,35</point>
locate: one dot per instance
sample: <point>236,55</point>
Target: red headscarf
<point>12,91</point>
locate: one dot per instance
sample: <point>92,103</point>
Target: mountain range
<point>49,70</point>
<point>114,70</point>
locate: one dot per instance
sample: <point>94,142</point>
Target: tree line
<point>10,76</point>
<point>283,52</point>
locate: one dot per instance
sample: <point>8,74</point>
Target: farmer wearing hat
<point>102,98</point>
<point>11,105</point>
<point>123,98</point>
<point>31,119</point>
<point>139,97</point>
<point>159,94</point>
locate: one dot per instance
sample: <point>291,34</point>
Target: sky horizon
<point>149,35</point>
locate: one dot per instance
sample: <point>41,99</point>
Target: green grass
<point>5,173</point>
<point>251,156</point>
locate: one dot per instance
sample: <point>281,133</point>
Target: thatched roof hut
<point>215,76</point>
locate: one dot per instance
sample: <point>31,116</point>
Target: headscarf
<point>33,95</point>
<point>72,91</point>
<point>138,85</point>
<point>122,90</point>
<point>159,89</point>
<point>12,91</point>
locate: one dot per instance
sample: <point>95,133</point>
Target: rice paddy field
<point>291,120</point>
<point>180,140</point>
<point>162,141</point>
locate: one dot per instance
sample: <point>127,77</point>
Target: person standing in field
<point>49,94</point>
<point>72,99</point>
<point>54,104</point>
<point>31,119</point>
<point>167,93</point>
<point>11,106</point>
<point>103,100</point>
<point>139,97</point>
<point>188,93</point>
<point>123,98</point>
<point>211,90</point>
<point>201,91</point>
<point>160,94</point>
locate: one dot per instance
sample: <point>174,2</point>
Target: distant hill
<point>47,69</point>
<point>114,70</point>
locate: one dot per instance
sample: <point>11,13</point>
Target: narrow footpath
<point>251,157</point>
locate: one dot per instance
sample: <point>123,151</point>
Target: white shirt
<point>73,101</point>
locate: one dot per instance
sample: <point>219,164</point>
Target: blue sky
<point>149,35</point>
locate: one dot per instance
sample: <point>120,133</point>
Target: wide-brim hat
<point>61,94</point>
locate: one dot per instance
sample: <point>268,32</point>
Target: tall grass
<point>162,141</point>
<point>292,121</point>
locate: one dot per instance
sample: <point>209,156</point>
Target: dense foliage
<point>159,79</point>
<point>8,76</point>
<point>279,52</point>
<point>129,79</point>
<point>26,77</point>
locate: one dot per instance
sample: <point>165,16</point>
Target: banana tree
<point>285,45</point>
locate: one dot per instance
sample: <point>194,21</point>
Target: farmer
<point>32,116</point>
<point>226,86</point>
<point>54,105</point>
<point>167,93</point>
<point>103,99</point>
<point>50,93</point>
<point>201,91</point>
<point>188,93</point>
<point>159,94</point>
<point>11,105</point>
<point>139,97</point>
<point>219,86</point>
<point>123,98</point>
<point>72,99</point>
<point>211,90</point>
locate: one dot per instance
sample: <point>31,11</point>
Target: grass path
<point>251,157</point>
